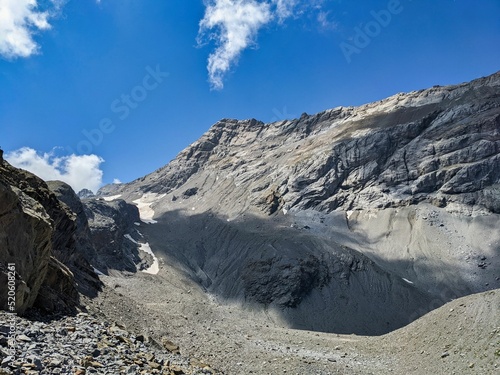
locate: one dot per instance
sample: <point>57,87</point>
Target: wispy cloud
<point>325,22</point>
<point>78,171</point>
<point>19,21</point>
<point>284,8</point>
<point>234,24</point>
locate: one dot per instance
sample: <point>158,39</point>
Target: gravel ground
<point>83,344</point>
<point>165,324</point>
<point>462,337</point>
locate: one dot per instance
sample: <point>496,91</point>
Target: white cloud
<point>116,181</point>
<point>78,171</point>
<point>19,21</point>
<point>236,24</point>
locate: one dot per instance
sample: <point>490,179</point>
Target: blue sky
<point>93,91</point>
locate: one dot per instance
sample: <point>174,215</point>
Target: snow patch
<point>408,281</point>
<point>97,271</point>
<point>155,267</point>
<point>138,224</point>
<point>111,197</point>
<point>144,203</point>
<point>129,237</point>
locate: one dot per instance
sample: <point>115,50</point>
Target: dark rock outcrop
<point>113,232</point>
<point>25,242</point>
<point>105,231</point>
<point>84,256</point>
<point>85,193</point>
<point>38,237</point>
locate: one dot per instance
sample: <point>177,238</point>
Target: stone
<point>55,363</point>
<point>36,362</point>
<point>123,339</point>
<point>23,338</point>
<point>132,369</point>
<point>175,370</point>
<point>7,360</point>
<point>96,364</point>
<point>141,338</point>
<point>169,345</point>
<point>154,365</point>
<point>197,363</point>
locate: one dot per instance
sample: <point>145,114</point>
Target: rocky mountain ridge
<point>438,145</point>
<point>351,221</point>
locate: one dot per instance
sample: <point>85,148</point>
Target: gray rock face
<point>312,282</point>
<point>45,233</point>
<point>109,222</point>
<point>37,235</point>
<point>439,145</point>
<point>323,217</point>
<point>85,193</point>
<point>25,242</point>
<point>84,254</point>
<point>101,229</point>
